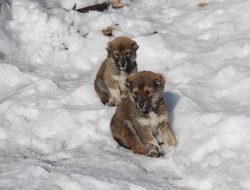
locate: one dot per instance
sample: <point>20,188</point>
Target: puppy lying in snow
<point>141,122</point>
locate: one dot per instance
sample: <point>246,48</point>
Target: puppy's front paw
<point>153,150</point>
<point>124,94</point>
<point>112,102</point>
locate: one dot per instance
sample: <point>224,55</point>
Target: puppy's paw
<point>124,94</point>
<point>153,150</point>
<point>153,153</point>
<point>112,102</point>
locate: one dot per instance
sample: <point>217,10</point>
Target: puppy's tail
<point>102,90</point>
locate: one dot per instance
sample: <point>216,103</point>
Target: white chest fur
<point>121,77</point>
<point>153,121</point>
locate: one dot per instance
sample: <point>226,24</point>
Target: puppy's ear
<point>129,81</point>
<point>127,84</point>
<point>134,45</point>
<point>159,80</point>
<point>108,47</point>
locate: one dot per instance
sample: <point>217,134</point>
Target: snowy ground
<point>54,131</point>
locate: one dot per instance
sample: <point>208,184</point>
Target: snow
<point>54,131</point>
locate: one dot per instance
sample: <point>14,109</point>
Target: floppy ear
<point>159,80</point>
<point>134,45</point>
<point>108,47</point>
<point>129,81</point>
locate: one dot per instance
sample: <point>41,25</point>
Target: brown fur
<point>112,74</point>
<point>141,122</point>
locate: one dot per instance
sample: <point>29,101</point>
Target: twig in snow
<point>101,7</point>
<point>73,16</point>
<point>98,7</point>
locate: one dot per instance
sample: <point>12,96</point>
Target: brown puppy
<point>111,76</point>
<point>141,122</point>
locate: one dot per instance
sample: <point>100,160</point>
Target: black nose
<point>123,63</point>
<point>141,104</point>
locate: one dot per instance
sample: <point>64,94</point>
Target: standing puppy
<point>141,122</point>
<point>111,76</point>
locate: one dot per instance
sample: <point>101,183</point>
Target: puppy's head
<point>145,89</point>
<point>123,51</point>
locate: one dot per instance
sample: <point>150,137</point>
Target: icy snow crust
<point>54,131</point>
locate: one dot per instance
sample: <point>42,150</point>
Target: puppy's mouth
<point>123,65</point>
<point>123,68</point>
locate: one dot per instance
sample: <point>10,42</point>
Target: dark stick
<point>98,7</point>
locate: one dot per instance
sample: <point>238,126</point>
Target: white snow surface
<point>54,131</point>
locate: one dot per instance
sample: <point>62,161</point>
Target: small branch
<point>98,7</point>
<point>73,16</point>
<point>74,7</point>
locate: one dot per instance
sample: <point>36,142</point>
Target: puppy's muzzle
<point>141,106</point>
<point>123,65</point>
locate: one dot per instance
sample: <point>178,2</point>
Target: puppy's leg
<point>123,90</point>
<point>121,85</point>
<point>148,139</point>
<point>167,135</point>
<point>115,94</point>
<point>102,90</point>
<point>115,98</point>
<point>124,133</point>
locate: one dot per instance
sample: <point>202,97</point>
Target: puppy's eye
<point>127,54</point>
<point>135,94</point>
<point>148,93</point>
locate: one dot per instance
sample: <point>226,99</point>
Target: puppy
<point>120,63</point>
<point>141,122</point>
